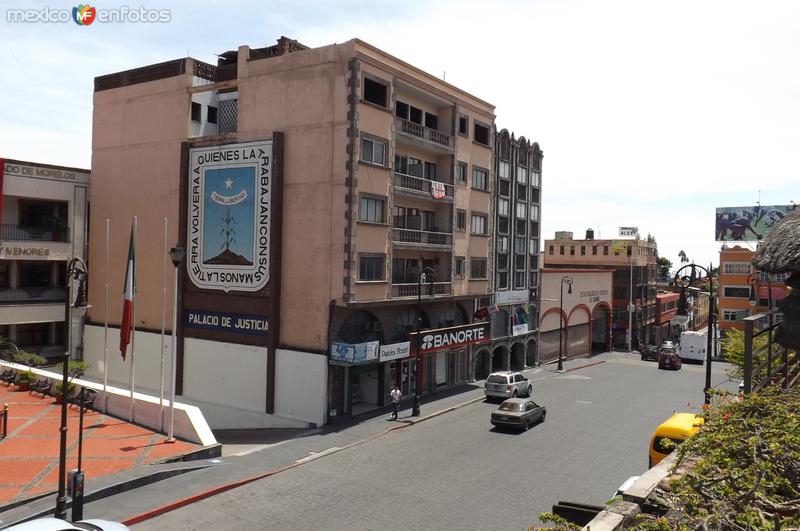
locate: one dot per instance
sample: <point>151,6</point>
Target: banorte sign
<point>450,338</point>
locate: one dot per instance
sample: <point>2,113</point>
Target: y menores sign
<point>230,204</point>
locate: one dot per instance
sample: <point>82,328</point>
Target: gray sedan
<point>518,413</point>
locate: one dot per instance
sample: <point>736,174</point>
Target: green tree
<point>664,265</point>
<point>683,257</point>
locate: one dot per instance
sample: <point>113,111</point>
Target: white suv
<point>507,384</point>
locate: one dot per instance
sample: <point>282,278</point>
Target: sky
<point>650,113</point>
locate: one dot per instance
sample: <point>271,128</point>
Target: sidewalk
<point>29,455</point>
<point>256,455</point>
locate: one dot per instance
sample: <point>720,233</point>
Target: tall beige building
<point>315,191</point>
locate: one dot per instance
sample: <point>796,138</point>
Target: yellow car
<point>673,431</point>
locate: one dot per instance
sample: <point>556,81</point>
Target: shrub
<point>26,377</point>
<point>29,358</point>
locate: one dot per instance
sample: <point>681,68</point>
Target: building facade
<point>634,289</point>
<point>378,225</point>
<point>44,225</point>
<point>666,327</point>
<point>517,218</point>
<point>742,290</point>
<point>576,313</point>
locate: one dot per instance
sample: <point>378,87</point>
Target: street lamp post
<point>76,271</point>
<point>685,281</point>
<point>176,254</point>
<point>566,279</point>
<point>426,275</point>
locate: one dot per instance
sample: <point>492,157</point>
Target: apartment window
<point>502,207</point>
<point>478,224</point>
<point>370,267</point>
<point>735,315</point>
<point>461,172</point>
<point>535,261</point>
<point>212,114</point>
<point>477,268</point>
<point>522,192</point>
<point>502,225</point>
<point>605,249</point>
<point>519,279</point>
<point>533,281</point>
<point>30,335</point>
<point>561,250</point>
<point>34,274</point>
<point>502,280</point>
<point>502,244</point>
<point>534,228</point>
<point>594,249</point>
<point>519,245</point>
<point>409,166</point>
<point>736,268</point>
<point>521,227</point>
<point>405,270</point>
<point>480,179</point>
<point>431,121</point>
<point>463,125</point>
<point>583,250</point>
<point>504,169</point>
<point>375,92</point>
<point>534,212</point>
<point>552,250</point>
<point>373,151</point>
<point>459,267</point>
<point>371,209</point>
<point>42,215</point>
<point>505,187</point>
<point>4,266</point>
<point>197,112</point>
<point>522,210</point>
<point>736,291</point>
<point>522,175</point>
<point>535,195</point>
<point>502,261</point>
<point>572,250</point>
<point>519,261</point>
<point>535,178</point>
<point>533,245</point>
<point>461,220</point>
<point>228,116</point>
<point>481,134</point>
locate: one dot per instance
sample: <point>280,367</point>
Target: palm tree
<point>683,257</point>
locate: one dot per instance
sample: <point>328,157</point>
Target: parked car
<point>650,352</point>
<point>669,360</point>
<point>518,413</point>
<point>668,345</point>
<point>507,384</point>
<point>56,524</point>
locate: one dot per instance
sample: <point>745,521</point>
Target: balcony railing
<point>765,361</point>
<point>425,133</point>
<point>412,290</point>
<point>422,237</point>
<point>410,182</point>
<point>9,232</point>
<point>32,295</point>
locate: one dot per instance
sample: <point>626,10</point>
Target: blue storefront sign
<point>354,352</point>
<point>237,323</point>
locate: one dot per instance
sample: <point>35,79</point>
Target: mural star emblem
<point>228,183</point>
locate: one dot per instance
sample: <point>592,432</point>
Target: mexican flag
<point>127,302</point>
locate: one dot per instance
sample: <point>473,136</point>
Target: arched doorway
<point>530,353</point>
<point>601,322</point>
<point>517,356</point>
<point>482,364</point>
<point>500,359</point>
<point>361,326</point>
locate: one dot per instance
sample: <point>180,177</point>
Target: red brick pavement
<point>29,453</point>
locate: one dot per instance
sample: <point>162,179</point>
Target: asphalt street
<point>455,471</point>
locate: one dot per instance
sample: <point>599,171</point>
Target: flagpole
<point>163,321</point>
<point>132,369</point>
<point>105,328</point>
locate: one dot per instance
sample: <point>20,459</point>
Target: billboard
<point>735,224</point>
<point>619,246</point>
<point>628,231</point>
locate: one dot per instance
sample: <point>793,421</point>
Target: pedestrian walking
<point>395,401</point>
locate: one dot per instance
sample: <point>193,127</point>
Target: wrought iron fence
<point>765,361</point>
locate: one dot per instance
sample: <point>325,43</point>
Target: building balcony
<point>422,238</point>
<point>411,290</point>
<point>10,233</point>
<point>32,295</point>
<point>425,136</point>
<point>420,187</point>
